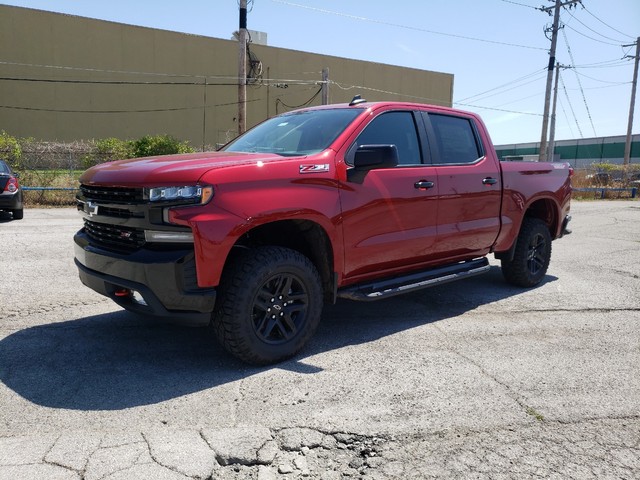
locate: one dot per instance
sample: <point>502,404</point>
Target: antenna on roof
<point>357,100</point>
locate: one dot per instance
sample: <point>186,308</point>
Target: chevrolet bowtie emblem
<point>92,209</point>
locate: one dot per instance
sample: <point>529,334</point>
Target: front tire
<point>532,255</point>
<point>269,305</point>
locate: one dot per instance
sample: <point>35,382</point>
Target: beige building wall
<point>69,78</point>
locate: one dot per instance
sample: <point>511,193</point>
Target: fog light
<point>168,236</point>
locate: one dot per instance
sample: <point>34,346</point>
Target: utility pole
<point>552,61</point>
<point>242,69</point>
<point>552,132</point>
<point>627,145</point>
<point>325,86</point>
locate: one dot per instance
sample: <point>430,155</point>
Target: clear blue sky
<point>505,53</point>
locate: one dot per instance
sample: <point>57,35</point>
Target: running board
<point>416,281</point>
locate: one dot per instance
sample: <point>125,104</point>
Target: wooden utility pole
<point>242,69</point>
<point>627,145</point>
<point>552,62</point>
<point>325,86</point>
<point>552,132</point>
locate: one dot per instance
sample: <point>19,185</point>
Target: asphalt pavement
<point>475,379</point>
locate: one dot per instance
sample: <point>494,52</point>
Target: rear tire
<point>18,214</point>
<point>269,305</point>
<point>532,255</point>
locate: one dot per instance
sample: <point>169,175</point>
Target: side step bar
<point>378,290</point>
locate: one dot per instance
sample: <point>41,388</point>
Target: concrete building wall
<point>68,78</point>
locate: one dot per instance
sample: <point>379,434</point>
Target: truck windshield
<point>298,133</point>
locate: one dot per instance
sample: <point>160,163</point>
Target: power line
<point>584,98</point>
<point>605,86</point>
<point>536,72</point>
<point>592,30</point>
<point>204,83</point>
<point>106,82</point>
<point>498,109</point>
<point>520,4</point>
<point>407,27</point>
<point>378,90</point>
<point>566,117</point>
<point>512,88</point>
<point>151,110</point>
<point>605,24</point>
<point>564,88</point>
<point>308,102</point>
<point>591,38</point>
<point>520,99</point>
<point>597,79</point>
<point>99,70</point>
<point>619,62</point>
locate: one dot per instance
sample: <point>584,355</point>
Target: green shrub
<point>10,149</point>
<point>149,146</point>
<point>114,149</point>
<point>605,167</point>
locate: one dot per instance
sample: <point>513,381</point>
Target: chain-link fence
<point>49,171</point>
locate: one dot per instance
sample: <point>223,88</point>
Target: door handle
<point>489,181</point>
<point>424,184</point>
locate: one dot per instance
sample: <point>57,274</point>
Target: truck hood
<point>169,169</point>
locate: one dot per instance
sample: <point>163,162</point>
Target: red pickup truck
<point>361,201</point>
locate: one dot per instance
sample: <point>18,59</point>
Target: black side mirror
<point>370,157</point>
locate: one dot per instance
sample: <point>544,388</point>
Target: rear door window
<point>456,140</point>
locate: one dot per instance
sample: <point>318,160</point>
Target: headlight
<point>188,194</point>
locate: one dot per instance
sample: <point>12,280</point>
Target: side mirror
<point>369,157</point>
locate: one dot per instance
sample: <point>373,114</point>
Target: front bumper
<point>164,279</point>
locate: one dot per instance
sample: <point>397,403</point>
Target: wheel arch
<point>305,236</point>
<point>544,209</point>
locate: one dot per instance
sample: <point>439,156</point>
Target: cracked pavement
<point>475,379</point>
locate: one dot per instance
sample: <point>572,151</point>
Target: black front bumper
<point>165,279</point>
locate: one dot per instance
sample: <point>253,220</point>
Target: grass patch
<point>535,414</point>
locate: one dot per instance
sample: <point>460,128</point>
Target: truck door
<point>469,187</point>
<point>389,216</point>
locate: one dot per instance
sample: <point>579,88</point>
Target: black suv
<point>10,192</point>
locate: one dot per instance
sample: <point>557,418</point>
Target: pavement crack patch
<point>155,459</point>
<point>215,454</point>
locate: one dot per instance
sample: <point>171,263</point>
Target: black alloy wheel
<point>280,308</point>
<point>269,304</point>
<point>531,256</point>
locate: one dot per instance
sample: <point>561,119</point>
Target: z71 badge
<point>324,167</point>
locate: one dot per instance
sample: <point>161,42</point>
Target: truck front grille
<point>113,194</point>
<point>114,237</point>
